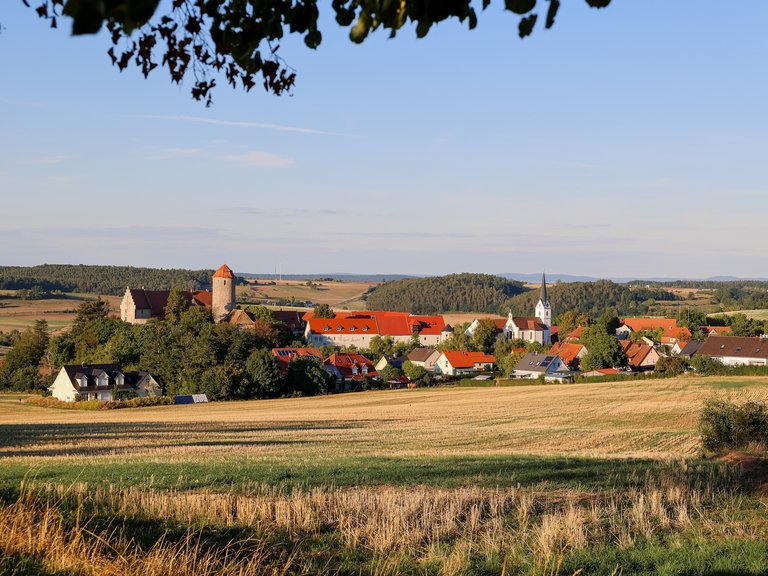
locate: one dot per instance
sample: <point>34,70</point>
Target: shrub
<point>725,425</point>
<point>100,405</point>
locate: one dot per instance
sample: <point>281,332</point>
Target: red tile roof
<point>714,330</point>
<point>575,334</point>
<point>639,324</point>
<point>460,359</point>
<point>285,355</point>
<point>224,271</point>
<point>568,352</point>
<point>375,322</point>
<point>346,364</point>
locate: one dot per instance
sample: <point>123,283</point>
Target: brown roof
<point>529,323</point>
<point>224,271</point>
<point>291,318</point>
<point>636,352</point>
<point>420,354</point>
<point>736,346</point>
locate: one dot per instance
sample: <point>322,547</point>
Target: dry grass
<point>448,527</point>
<point>655,419</point>
<point>760,315</point>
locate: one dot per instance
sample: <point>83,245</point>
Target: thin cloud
<point>245,124</point>
<point>261,159</point>
<point>174,153</point>
<point>46,160</point>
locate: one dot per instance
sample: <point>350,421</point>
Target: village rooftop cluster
<point>351,332</point>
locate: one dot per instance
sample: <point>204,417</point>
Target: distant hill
<point>452,293</point>
<point>106,280</point>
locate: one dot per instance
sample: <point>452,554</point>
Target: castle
<point>140,305</point>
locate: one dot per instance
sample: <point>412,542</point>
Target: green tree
<point>389,373</point>
<point>570,320</point>
<point>379,346</point>
<point>176,306</point>
<point>20,371</point>
<point>266,379</point>
<point>87,312</point>
<point>195,38</point>
<point>413,372</point>
<point>603,350</point>
<point>307,377</point>
<point>485,334</point>
<point>323,311</point>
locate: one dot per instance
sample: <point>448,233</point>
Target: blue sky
<point>629,141</point>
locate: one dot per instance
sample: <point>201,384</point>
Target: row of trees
<point>99,279</point>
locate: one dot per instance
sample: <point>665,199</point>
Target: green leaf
<point>526,25</point>
<point>520,6</point>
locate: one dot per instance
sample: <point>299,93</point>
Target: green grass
<point>232,473</point>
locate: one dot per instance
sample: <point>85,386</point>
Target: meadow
<point>541,479</point>
<point>60,312</point>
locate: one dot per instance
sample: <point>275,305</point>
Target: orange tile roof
<point>345,363</point>
<point>575,334</point>
<point>636,352</point>
<point>568,352</point>
<point>460,359</point>
<point>710,330</point>
<point>376,322</point>
<point>224,271</point>
<point>639,324</point>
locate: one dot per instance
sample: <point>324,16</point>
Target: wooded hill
<point>496,295</point>
<point>111,280</point>
<point>452,293</point>
<point>591,298</point>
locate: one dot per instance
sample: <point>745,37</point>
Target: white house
<point>100,382</point>
<point>456,362</point>
<point>534,365</point>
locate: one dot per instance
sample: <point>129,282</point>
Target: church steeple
<point>543,297</point>
<point>543,308</point>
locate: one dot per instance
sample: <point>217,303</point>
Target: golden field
<point>624,419</point>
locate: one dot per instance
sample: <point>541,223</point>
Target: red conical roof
<point>224,272</point>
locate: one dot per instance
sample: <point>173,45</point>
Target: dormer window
<point>338,329</point>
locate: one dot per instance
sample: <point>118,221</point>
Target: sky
<point>629,141</point>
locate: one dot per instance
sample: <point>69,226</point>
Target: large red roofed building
<point>359,328</point>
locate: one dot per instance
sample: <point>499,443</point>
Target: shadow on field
<point>115,438</point>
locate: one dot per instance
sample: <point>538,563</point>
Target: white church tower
<point>543,308</point>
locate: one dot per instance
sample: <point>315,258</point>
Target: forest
<point>106,280</point>
<point>438,294</point>
<point>496,295</point>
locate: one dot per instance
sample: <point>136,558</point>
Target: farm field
<point>541,479</point>
<point>754,314</point>
<point>347,295</point>
<point>16,314</point>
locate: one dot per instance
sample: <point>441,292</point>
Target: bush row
<point>726,425</point>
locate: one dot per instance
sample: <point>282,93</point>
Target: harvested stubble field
<point>532,480</point>
<point>17,314</point>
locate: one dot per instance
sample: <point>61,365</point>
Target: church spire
<point>543,297</point>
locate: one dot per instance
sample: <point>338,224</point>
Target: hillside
<point>591,298</point>
<point>455,292</point>
<point>110,280</point>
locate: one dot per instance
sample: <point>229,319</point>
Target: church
<point>537,328</point>
<point>140,305</point>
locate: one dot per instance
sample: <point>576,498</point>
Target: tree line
<point>111,280</point>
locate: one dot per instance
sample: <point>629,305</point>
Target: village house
<point>536,328</point>
<point>570,353</point>
<point>347,368</point>
<point>101,382</point>
<point>716,330</point>
<point>640,356</point>
<point>690,349</point>
<point>736,350</point>
<point>359,328</point>
<point>669,332</point>
<point>457,362</point>
<point>139,305</point>
<point>535,365</point>
<point>285,355</point>
<point>391,361</point>
<point>424,357</point>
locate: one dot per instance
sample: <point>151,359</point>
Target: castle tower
<point>223,293</point>
<point>543,308</point>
